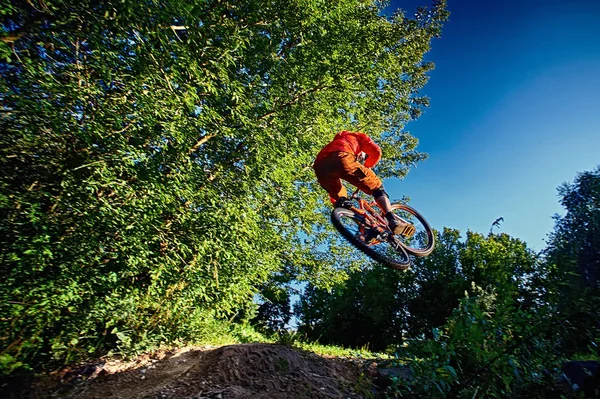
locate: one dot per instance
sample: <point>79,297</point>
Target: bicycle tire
<point>424,231</point>
<point>338,215</point>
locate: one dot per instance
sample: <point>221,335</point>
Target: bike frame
<point>372,213</point>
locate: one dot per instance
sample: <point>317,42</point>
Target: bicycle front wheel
<point>421,243</point>
<point>355,229</point>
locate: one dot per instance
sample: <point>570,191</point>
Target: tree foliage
<point>155,155</point>
<point>364,311</point>
<point>484,316</point>
<point>573,258</point>
<point>409,305</point>
<point>525,317</point>
<point>488,347</point>
<point>575,242</point>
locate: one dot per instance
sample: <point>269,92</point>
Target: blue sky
<point>515,111</point>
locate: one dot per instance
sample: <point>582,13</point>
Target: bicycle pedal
<point>408,231</point>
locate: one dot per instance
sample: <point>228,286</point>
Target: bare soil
<point>230,372</point>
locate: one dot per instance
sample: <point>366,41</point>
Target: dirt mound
<point>229,372</point>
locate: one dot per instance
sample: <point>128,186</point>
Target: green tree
<point>524,316</point>
<point>275,310</point>
<point>573,262</point>
<point>365,311</point>
<point>488,346</point>
<point>155,155</point>
<point>437,285</point>
<point>574,244</point>
<point>381,308</point>
<point>496,261</point>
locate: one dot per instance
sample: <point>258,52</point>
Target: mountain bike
<point>366,227</point>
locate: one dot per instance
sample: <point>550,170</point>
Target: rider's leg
<point>328,171</point>
<point>358,175</point>
<point>383,200</point>
<point>365,179</point>
<point>343,165</point>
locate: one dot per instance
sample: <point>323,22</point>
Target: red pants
<point>343,165</point>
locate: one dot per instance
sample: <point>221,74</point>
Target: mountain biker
<point>339,160</point>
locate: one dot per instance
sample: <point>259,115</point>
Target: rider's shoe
<point>400,227</point>
<point>343,202</point>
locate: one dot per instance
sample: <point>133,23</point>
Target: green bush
<point>487,348</point>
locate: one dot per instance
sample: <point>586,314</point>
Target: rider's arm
<point>370,148</point>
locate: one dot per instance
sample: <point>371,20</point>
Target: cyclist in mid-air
<point>339,160</point>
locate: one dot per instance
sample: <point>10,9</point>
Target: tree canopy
<point>156,155</point>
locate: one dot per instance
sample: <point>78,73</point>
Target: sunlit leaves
<point>156,156</point>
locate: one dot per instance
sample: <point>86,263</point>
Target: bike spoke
<point>391,250</point>
<point>422,239</point>
<point>375,242</point>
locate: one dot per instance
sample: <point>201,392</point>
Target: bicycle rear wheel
<point>423,241</point>
<point>354,228</point>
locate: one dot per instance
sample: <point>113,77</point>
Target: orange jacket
<point>353,143</point>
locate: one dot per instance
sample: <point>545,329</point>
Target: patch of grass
<point>246,333</point>
<point>337,351</point>
<point>211,332</point>
<point>585,356</point>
